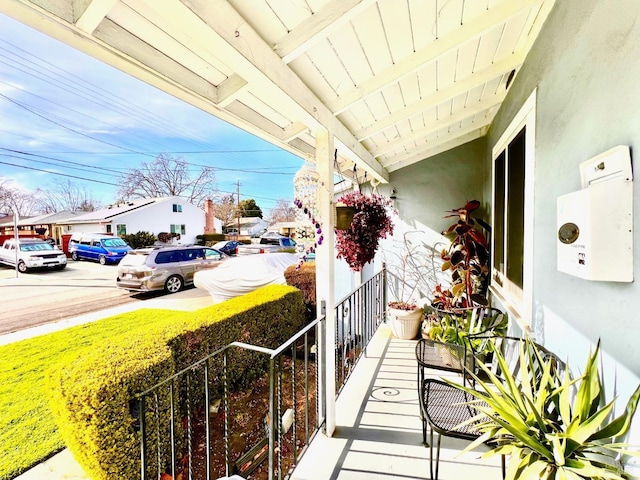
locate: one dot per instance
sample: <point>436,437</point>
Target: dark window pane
<point>515,209</point>
<point>498,221</point>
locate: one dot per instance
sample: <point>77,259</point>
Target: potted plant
<point>410,270</point>
<point>552,425</point>
<point>371,222</point>
<point>460,326</point>
<point>467,258</point>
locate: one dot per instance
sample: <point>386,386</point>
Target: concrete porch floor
<point>378,428</point>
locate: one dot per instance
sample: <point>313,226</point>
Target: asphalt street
<point>44,296</point>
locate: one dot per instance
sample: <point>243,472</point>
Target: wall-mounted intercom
<point>595,224</point>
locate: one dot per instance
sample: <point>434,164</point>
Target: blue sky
<point>59,105</point>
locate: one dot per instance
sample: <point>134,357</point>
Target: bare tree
<point>63,194</point>
<point>225,209</point>
<point>284,211</point>
<point>13,197</point>
<point>168,176</point>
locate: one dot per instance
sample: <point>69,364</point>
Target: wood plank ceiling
<point>396,81</point>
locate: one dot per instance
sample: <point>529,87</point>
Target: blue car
<point>97,247</point>
<point>230,247</point>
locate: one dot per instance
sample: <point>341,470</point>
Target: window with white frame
<point>179,229</point>
<point>508,223</point>
<point>177,207</point>
<point>121,229</point>
<point>109,228</point>
<point>512,219</point>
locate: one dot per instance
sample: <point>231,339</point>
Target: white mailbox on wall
<point>595,224</point>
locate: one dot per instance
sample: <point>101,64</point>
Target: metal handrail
<point>358,315</point>
<point>161,400</point>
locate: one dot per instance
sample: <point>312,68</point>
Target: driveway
<point>45,297</point>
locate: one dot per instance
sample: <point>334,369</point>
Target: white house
<point>153,215</point>
<point>252,226</point>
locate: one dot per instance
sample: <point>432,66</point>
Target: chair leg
<point>438,456</point>
<point>424,432</point>
<point>431,455</point>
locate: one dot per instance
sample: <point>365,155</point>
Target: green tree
<point>248,208</point>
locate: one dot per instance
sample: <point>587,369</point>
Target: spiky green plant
<point>553,426</point>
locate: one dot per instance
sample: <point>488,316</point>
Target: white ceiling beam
<point>249,55</point>
<point>319,26</point>
<point>468,83</point>
<point>95,12</point>
<point>475,108</point>
<point>125,43</point>
<point>294,131</point>
<point>411,64</point>
<point>231,89</point>
<point>441,145</point>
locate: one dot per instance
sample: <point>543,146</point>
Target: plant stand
<point>405,324</point>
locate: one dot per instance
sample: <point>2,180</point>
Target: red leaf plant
<point>358,244</point>
<point>468,260</point>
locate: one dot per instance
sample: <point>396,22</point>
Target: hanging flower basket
<point>371,222</point>
<point>344,216</point>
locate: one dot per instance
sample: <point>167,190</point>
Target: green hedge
<point>210,238</point>
<point>91,393</point>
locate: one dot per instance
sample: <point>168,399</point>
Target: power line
<point>60,174</point>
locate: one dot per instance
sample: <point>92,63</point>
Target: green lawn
<point>28,433</point>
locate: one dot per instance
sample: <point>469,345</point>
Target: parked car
<point>243,274</point>
<point>32,253</point>
<point>98,247</point>
<point>165,268</point>
<point>269,243</point>
<point>230,247</point>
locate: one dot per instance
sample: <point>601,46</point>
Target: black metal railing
<point>188,424</point>
<point>358,316</point>
<point>182,431</point>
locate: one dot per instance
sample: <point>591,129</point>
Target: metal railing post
<point>322,360</point>
<point>143,438</point>
<point>272,419</point>
<point>384,291</point>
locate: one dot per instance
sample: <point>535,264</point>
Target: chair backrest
<point>509,348</point>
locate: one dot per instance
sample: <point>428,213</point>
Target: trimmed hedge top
<point>91,394</point>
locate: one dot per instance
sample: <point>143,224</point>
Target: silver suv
<point>168,268</point>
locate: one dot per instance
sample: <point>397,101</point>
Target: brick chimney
<point>209,226</point>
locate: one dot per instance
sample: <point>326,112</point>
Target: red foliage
<point>371,222</point>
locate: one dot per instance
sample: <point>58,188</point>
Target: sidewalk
<point>187,300</point>
<point>63,466</point>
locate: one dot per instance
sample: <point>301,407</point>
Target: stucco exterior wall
<point>424,192</point>
<point>584,66</point>
<point>159,217</point>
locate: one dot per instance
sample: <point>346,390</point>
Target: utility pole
<point>238,208</point>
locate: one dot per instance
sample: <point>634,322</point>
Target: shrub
<point>304,278</point>
<point>139,239</point>
<point>91,394</point>
<point>209,239</point>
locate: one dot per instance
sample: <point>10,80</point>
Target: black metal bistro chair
<point>447,409</point>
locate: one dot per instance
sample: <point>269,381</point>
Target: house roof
<point>45,219</point>
<point>247,222</point>
<point>280,225</point>
<point>395,81</point>
<point>117,209</point>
